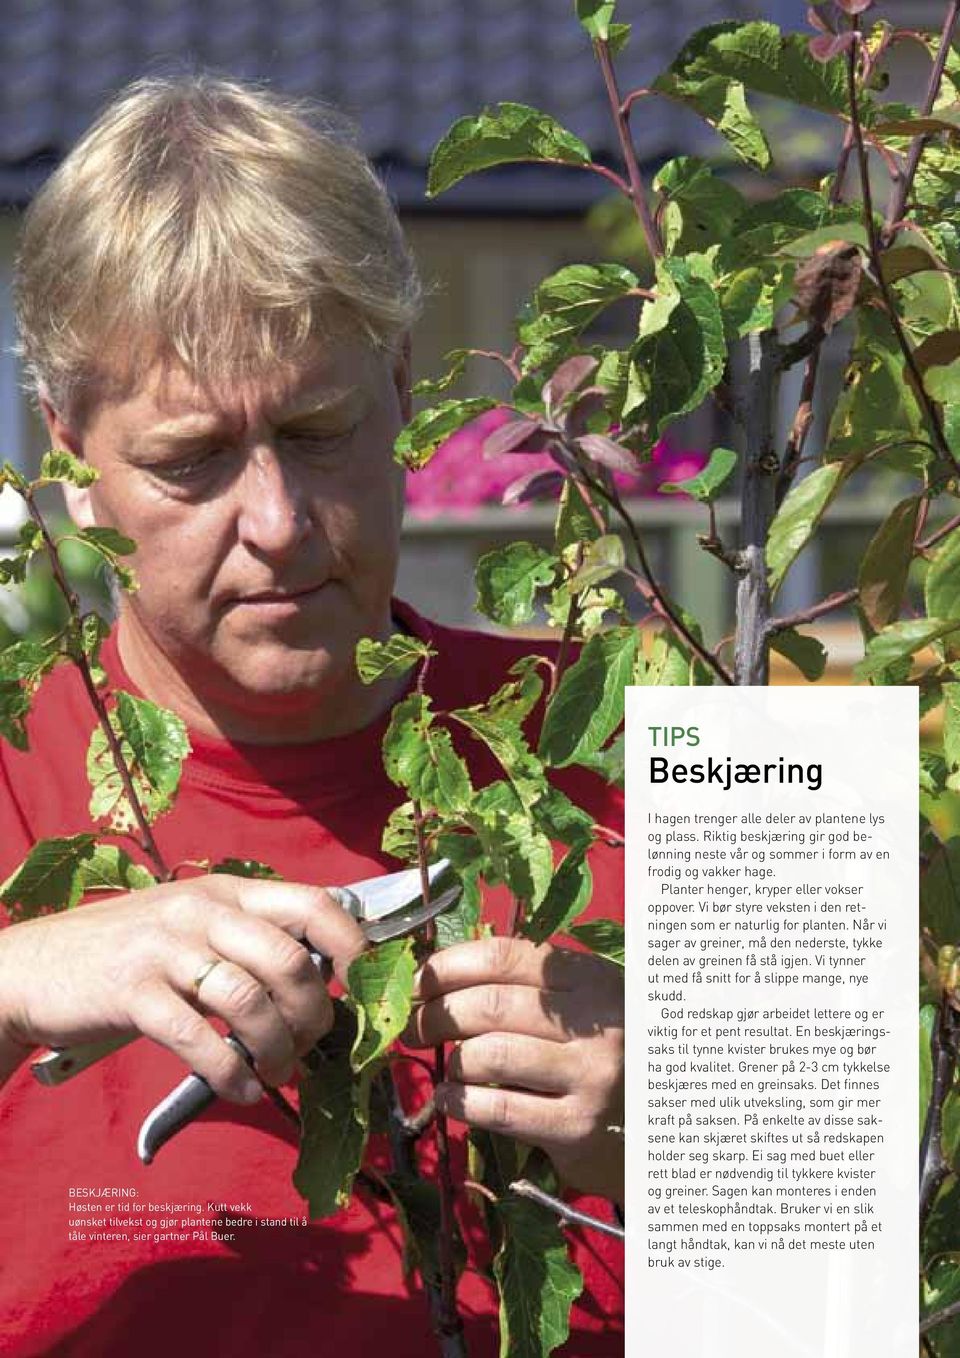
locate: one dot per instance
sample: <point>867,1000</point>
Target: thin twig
<point>636,190</point>
<point>903,185</point>
<point>148,843</point>
<point>447,1318</point>
<point>569,1216</point>
<point>943,531</point>
<point>839,600</point>
<point>758,506</point>
<point>940,1317</point>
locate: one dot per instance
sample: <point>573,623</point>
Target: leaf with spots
<point>380,983</point>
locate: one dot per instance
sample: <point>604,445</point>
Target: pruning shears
<point>385,907</point>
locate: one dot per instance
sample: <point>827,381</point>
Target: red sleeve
<point>15,838</point>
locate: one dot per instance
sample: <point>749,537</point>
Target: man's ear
<point>78,499</point>
<point>401,378</point>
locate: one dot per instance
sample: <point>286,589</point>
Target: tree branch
<point>903,185</point>
<point>839,600</point>
<point>803,419</point>
<point>758,506</point>
<point>147,841</point>
<point>943,1050</point>
<point>636,191</point>
<point>568,1215</point>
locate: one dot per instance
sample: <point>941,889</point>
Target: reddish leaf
<point>511,438</point>
<point>855,6</point>
<point>825,48</point>
<point>886,565</point>
<point>818,21</point>
<point>530,486</point>
<point>607,453</point>
<point>589,403</point>
<point>568,377</point>
<point>827,283</point>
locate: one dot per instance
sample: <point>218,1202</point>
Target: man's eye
<point>317,440</point>
<point>189,469</point>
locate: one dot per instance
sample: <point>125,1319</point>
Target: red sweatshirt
<point>315,813</point>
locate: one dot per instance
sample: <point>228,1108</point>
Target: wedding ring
<point>203,973</point>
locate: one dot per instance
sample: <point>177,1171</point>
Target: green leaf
<point>901,641</point>
<point>765,61</point>
<point>499,136</point>
<point>49,877</point>
<point>588,705</point>
<point>158,741</point>
<point>807,653</point>
<point>389,659</point>
<point>14,710</point>
<point>334,1111</point>
<point>928,1017</point>
<point>605,937</point>
<point>707,484</point>
<point>517,850</point>
<point>602,558</point>
<point>700,210</point>
<point>942,585</point>
<point>107,541</point>
<point>507,581</point>
<point>564,304</point>
<point>59,465</point>
<point>246,867</point>
<point>575,523</point>
<point>536,1280</point>
<point>619,36</point>
<point>94,631</point>
<point>420,758</point>
<point>877,406</point>
<point>798,516</point>
<point>886,564</point>
<point>109,868</point>
<point>719,101</point>
<point>568,896</point>
<point>461,922</point>
<point>399,836</point>
<point>380,982</point>
<point>792,220</point>
<point>154,744</point>
<point>681,353</point>
<point>26,662</point>
<point>595,16</point>
<point>457,361</point>
<point>609,763</point>
<point>417,1204</point>
<point>951,735</point>
<point>747,302</point>
<point>508,746</point>
<point>940,893</point>
<point>10,476</point>
<point>417,443</point>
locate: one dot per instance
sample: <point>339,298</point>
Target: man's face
<point>267,523</point>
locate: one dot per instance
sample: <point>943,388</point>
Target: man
<point>215,298</point>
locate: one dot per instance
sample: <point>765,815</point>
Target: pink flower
<point>459,478</point>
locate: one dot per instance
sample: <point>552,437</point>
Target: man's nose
<point>274,516</point>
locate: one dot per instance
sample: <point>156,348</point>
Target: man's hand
<point>133,964</point>
<point>540,1050</point>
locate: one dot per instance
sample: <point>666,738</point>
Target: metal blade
<point>380,896</point>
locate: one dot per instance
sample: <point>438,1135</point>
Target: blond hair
<point>209,222</point>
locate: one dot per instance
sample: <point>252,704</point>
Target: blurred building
<point>405,70</point>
